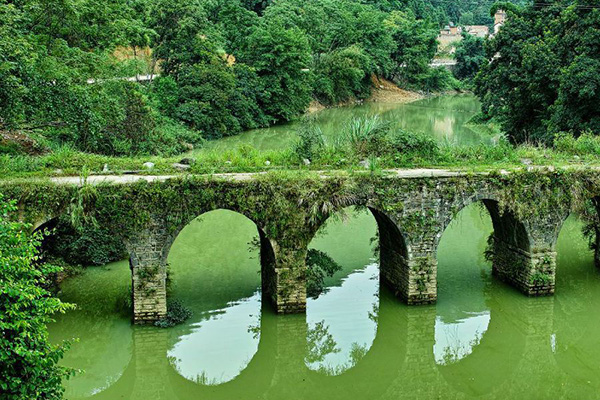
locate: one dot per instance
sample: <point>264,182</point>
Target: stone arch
<point>596,203</point>
<point>45,228</point>
<point>150,249</point>
<point>47,223</point>
<point>522,248</point>
<point>393,255</point>
<point>406,265</point>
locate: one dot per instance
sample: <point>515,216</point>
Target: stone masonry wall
<point>149,273</point>
<point>412,214</point>
<point>531,273</point>
<point>597,253</point>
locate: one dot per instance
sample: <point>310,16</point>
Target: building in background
<point>499,20</point>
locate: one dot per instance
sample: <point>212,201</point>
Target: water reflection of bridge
<point>400,363</point>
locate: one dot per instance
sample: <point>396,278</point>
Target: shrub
<point>586,143</point>
<point>311,141</point>
<point>406,142</point>
<point>177,313</point>
<point>366,135</point>
<point>86,245</point>
<point>28,362</point>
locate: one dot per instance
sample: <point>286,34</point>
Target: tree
<point>416,45</point>
<point>28,362</point>
<point>470,56</point>
<point>342,75</point>
<point>543,78</point>
<point>280,57</point>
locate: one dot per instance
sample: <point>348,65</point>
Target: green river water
<point>482,339</point>
<point>443,117</point>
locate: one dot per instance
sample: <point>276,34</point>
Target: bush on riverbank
<point>28,362</point>
<point>407,150</point>
<point>177,313</point>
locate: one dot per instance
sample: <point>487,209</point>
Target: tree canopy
<point>28,362</point>
<point>225,65</point>
<point>543,75</point>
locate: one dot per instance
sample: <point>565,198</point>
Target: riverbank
<point>383,91</point>
<point>244,160</point>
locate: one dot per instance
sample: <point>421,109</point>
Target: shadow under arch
<point>46,229</point>
<point>496,354</point>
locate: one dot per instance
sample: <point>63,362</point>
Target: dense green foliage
<point>28,362</point>
<point>470,56</point>
<point>177,313</point>
<point>49,50</point>
<point>543,78</point>
<point>225,66</point>
<point>85,245</point>
<point>319,265</point>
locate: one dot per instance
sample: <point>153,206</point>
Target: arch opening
<point>216,265</point>
<point>508,230</point>
<point>476,314</point>
<point>464,279</point>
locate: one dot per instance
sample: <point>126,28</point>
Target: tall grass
<point>363,139</point>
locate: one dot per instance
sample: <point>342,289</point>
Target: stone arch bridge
<point>412,209</point>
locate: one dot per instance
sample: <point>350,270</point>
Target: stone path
<point>246,176</point>
<point>125,179</point>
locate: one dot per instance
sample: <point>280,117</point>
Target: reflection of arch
<point>383,362</point>
<point>253,380</point>
<point>503,343</point>
<point>575,344</point>
<point>159,376</point>
<point>278,366</point>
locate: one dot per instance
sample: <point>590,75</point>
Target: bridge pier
<point>283,271</point>
<point>524,254</point>
<point>148,253</point>
<point>531,272</point>
<point>410,272</point>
